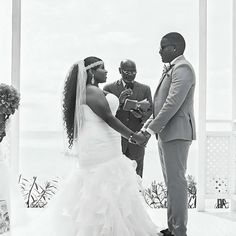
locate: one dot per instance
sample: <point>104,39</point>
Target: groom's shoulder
<point>183,63</point>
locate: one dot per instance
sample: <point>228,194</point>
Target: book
<point>136,105</point>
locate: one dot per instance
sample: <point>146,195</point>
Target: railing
<point>220,162</point>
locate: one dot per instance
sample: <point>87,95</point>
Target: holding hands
<point>141,138</point>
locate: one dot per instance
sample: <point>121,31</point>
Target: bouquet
<point>9,102</point>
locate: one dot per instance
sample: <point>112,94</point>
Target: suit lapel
<point>135,90</point>
<point>120,86</point>
<point>163,76</point>
<point>155,94</point>
<point>179,59</point>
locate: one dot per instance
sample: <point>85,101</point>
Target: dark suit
<point>140,92</point>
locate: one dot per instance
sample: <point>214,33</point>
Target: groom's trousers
<point>173,158</point>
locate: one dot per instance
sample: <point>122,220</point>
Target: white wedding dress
<point>101,197</point>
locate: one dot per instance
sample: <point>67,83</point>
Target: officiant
<point>130,112</point>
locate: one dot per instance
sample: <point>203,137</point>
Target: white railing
<point>220,164</point>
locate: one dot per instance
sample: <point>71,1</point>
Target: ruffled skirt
<point>100,200</point>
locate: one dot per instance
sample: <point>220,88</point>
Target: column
<point>233,174</point>
<point>15,80</point>
<point>202,104</point>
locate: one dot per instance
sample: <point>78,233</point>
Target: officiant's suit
<point>174,126</point>
<point>140,92</point>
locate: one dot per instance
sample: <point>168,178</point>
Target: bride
<point>101,198</point>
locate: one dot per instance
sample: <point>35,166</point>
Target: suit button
<point>127,119</point>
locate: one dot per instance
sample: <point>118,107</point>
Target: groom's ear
<point>120,70</point>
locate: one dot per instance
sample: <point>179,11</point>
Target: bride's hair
<point>69,97</point>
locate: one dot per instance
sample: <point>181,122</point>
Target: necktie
<point>129,85</point>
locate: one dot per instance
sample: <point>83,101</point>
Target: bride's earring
<point>92,80</point>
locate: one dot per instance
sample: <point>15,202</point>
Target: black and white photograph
<point>117,118</point>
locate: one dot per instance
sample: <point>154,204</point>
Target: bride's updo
<point>69,97</point>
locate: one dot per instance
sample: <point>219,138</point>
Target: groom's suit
<point>174,126</point>
<point>140,92</point>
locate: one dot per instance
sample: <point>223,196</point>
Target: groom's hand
<point>146,124</point>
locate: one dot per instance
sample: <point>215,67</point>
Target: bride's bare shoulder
<point>93,90</point>
<point>94,94</point>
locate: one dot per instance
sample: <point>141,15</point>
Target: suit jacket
<point>173,103</point>
<point>140,92</point>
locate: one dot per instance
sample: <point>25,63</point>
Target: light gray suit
<point>175,127</point>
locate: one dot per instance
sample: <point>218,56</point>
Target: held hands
<point>124,94</point>
<point>141,138</point>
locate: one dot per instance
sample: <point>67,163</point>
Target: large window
<point>55,34</point>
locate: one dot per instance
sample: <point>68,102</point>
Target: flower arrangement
<point>37,195</point>
<point>9,102</point>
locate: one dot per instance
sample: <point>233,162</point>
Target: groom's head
<point>172,45</point>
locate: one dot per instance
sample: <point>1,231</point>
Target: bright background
<point>57,33</point>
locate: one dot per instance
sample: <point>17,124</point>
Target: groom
<point>174,126</point>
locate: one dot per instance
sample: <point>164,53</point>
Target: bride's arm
<point>96,100</point>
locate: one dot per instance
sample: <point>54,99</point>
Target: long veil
<point>79,113</point>
<point>80,101</point>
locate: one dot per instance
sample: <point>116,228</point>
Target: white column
<point>234,65</point>
<point>15,80</point>
<point>202,104</point>
<point>233,184</point>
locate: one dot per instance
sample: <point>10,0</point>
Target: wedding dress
<point>101,197</point>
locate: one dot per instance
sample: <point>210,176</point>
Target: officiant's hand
<point>124,94</point>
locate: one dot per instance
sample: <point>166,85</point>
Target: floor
<point>209,223</point>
